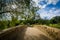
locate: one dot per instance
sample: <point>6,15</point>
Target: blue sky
<point>48,8</point>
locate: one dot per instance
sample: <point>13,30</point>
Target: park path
<point>37,32</point>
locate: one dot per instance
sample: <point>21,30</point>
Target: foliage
<point>55,20</point>
<point>55,25</point>
<point>3,24</point>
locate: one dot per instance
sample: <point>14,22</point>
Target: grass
<point>55,25</point>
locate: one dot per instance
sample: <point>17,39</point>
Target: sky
<point>48,8</point>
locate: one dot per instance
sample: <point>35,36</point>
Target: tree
<point>55,19</point>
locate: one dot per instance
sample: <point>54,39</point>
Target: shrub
<point>3,24</point>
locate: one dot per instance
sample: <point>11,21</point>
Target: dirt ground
<point>37,32</point>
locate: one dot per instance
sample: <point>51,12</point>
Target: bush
<point>3,24</point>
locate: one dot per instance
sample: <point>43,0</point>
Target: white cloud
<point>48,2</point>
<point>40,6</point>
<point>45,13</point>
<point>49,14</point>
<point>52,2</point>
